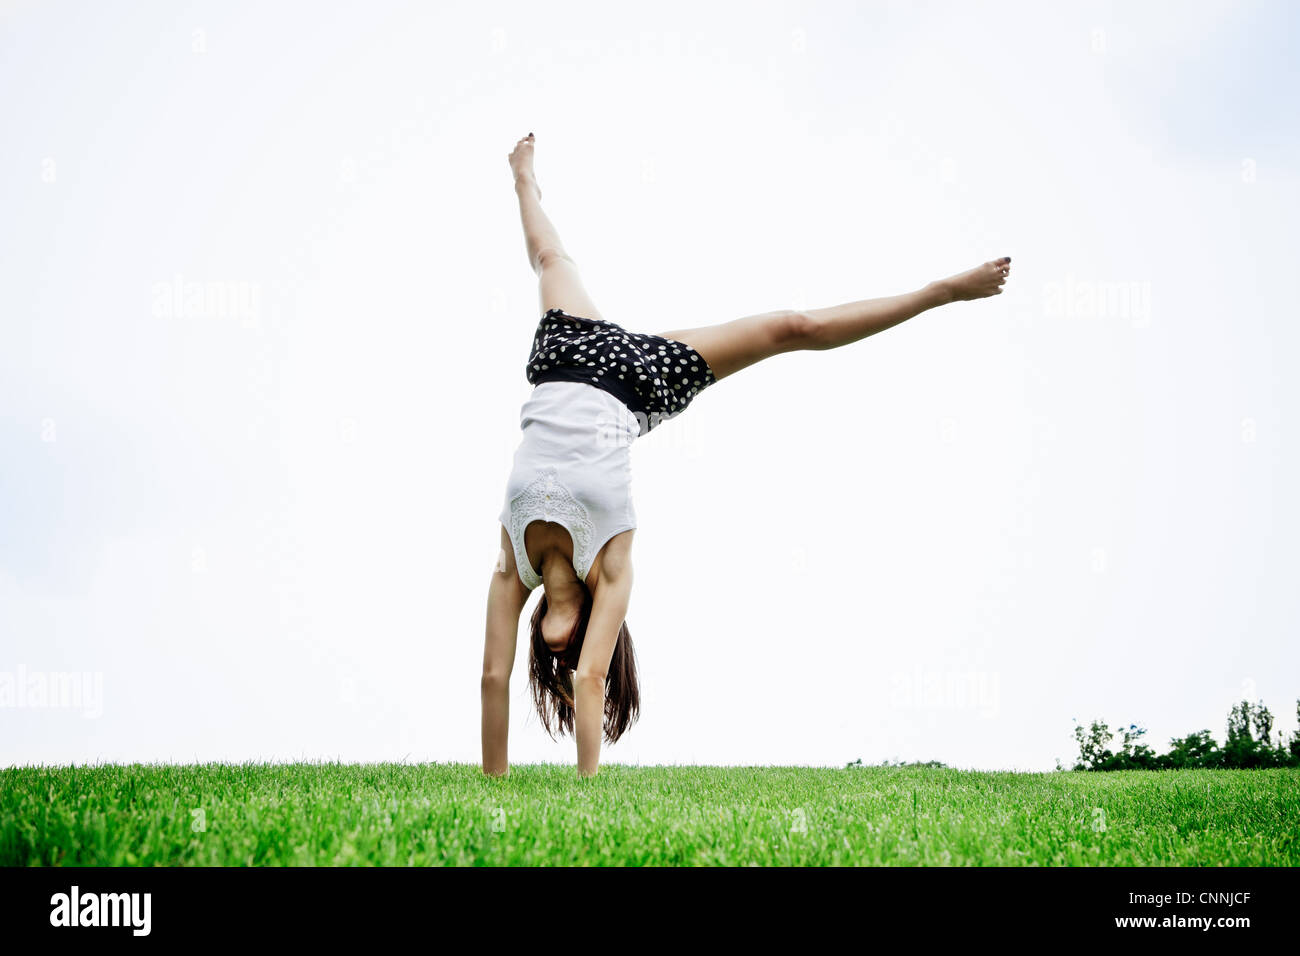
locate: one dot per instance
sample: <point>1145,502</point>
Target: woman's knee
<point>549,256</point>
<point>795,329</point>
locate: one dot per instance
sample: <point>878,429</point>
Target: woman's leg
<point>731,346</point>
<point>560,285</point>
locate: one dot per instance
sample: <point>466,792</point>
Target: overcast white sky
<point>263,518</point>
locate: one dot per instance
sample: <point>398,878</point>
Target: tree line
<point>1249,744</point>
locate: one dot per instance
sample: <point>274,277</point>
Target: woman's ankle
<point>527,181</point>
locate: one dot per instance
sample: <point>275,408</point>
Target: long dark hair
<point>550,676</point>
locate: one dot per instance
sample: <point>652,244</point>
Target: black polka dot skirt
<point>655,377</point>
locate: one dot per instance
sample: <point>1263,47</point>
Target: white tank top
<point>573,467</point>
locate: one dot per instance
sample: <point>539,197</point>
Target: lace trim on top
<point>546,499</point>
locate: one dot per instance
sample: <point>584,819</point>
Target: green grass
<point>361,814</point>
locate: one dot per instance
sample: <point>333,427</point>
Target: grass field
<point>362,814</point>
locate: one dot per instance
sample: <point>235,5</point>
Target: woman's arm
<point>506,599</point>
<point>608,611</point>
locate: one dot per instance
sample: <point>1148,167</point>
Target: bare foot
<point>521,163</point>
<point>978,283</point>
